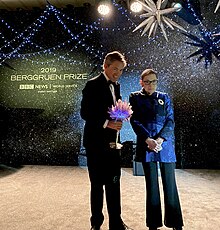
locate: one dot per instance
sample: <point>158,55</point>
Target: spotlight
<point>104,8</point>
<point>177,6</point>
<point>135,7</point>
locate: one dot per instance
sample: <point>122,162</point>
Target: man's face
<point>114,70</point>
<point>149,83</point>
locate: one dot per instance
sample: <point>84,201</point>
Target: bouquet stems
<point>117,135</point>
<point>118,145</point>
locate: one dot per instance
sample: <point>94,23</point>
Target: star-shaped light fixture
<point>217,6</point>
<point>155,17</point>
<point>208,46</point>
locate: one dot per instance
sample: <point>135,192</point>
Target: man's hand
<point>116,125</point>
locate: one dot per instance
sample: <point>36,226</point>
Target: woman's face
<point>149,83</point>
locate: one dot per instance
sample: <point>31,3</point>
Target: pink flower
<point>121,111</point>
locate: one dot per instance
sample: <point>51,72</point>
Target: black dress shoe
<point>122,226</point>
<point>125,227</point>
<point>95,228</point>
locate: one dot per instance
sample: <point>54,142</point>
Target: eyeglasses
<point>153,82</point>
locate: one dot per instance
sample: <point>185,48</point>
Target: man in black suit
<point>99,94</point>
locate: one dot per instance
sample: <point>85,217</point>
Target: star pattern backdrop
<point>49,55</point>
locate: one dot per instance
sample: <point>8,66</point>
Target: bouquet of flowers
<point>120,112</point>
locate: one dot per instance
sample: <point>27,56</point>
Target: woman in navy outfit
<point>153,123</point>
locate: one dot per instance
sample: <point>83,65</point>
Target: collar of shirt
<point>111,86</point>
<point>108,80</point>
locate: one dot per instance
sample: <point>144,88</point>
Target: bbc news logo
<point>26,86</point>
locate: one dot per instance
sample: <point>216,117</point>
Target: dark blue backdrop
<point>48,57</point>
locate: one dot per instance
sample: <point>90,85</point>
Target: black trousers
<point>104,172</point>
<point>173,213</point>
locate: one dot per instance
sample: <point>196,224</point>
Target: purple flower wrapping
<point>121,111</point>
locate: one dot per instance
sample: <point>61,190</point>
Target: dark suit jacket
<point>96,101</point>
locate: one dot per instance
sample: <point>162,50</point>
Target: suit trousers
<point>104,172</point>
<point>172,212</point>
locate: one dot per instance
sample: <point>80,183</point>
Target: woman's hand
<point>160,140</point>
<point>153,144</point>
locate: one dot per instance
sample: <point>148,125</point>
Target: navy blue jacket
<point>153,117</point>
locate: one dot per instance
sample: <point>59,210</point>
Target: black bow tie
<point>111,82</point>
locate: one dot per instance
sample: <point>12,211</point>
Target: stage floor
<point>57,197</point>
